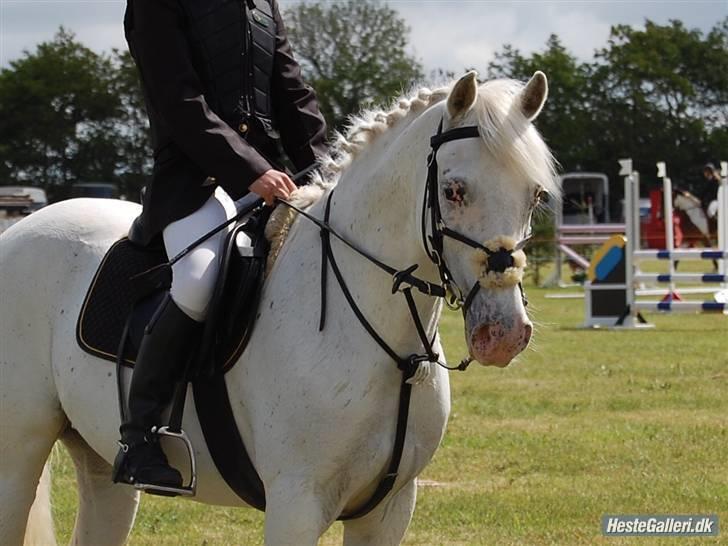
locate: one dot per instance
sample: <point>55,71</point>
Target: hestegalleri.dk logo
<point>692,525</point>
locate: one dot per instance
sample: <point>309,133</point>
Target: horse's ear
<point>534,95</point>
<point>462,97</point>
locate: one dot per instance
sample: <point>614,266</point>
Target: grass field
<point>584,423</point>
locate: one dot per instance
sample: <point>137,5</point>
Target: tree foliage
<point>656,93</point>
<point>353,53</point>
<point>57,108</point>
<point>134,141</point>
<point>564,116</point>
<point>68,114</point>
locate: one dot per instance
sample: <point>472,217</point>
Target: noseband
<point>498,260</point>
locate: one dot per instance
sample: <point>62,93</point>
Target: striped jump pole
<point>723,216</point>
<point>667,218</point>
<point>583,239</point>
<point>682,254</point>
<point>680,306</point>
<point>680,277</point>
<point>631,318</point>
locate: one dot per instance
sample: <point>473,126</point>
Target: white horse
<point>317,410</point>
<point>694,212</point>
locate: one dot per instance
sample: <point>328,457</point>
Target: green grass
<point>584,423</point>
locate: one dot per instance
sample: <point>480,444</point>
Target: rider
<point>222,90</point>
<point>709,190</point>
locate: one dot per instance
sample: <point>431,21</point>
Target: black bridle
<point>497,260</point>
<point>404,280</point>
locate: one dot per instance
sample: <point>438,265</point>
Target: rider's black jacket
<point>214,113</point>
<point>708,191</point>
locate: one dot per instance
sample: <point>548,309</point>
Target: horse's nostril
<point>527,331</point>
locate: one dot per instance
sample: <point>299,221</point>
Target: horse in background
<point>699,229</point>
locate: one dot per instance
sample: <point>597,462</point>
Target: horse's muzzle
<point>492,344</point>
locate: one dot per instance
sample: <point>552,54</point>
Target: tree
<point>57,107</point>
<point>134,142</point>
<point>662,92</point>
<point>352,53</point>
<point>565,117</point>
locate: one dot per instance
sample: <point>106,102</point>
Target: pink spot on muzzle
<point>492,344</point>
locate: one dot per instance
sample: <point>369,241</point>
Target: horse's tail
<point>39,530</point>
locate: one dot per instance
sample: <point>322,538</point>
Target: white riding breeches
<point>713,209</point>
<point>194,276</point>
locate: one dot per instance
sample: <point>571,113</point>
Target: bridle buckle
<point>453,296</point>
<point>403,277</point>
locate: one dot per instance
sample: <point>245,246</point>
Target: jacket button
<point>243,127</point>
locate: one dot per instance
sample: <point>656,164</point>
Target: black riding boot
<point>165,347</point>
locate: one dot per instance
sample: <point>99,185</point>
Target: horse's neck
<point>376,205</point>
<point>377,201</point>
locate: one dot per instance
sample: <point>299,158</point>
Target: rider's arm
<point>175,93</point>
<point>302,127</point>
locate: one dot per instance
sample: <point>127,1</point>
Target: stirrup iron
<point>188,490</point>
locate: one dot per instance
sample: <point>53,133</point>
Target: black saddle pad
<point>114,293</point>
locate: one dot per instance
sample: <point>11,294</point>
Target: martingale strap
<point>399,277</point>
<point>408,365</point>
<point>403,281</point>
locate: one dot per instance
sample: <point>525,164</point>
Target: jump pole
<point>631,201</point>
<point>723,217</point>
<point>667,216</point>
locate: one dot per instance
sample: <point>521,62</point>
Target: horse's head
<point>488,188</point>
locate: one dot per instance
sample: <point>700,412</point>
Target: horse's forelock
<point>511,137</point>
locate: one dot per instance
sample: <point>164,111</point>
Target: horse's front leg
<point>297,512</point>
<point>386,524</point>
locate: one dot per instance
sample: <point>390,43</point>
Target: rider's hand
<point>272,184</point>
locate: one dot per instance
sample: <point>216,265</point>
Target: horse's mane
<point>508,135</point>
<point>511,137</point>
<point>360,131</point>
<point>506,132</point>
<point>365,127</point>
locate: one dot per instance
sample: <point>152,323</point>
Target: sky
<point>448,34</point>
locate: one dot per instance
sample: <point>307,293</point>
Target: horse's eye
<point>542,196</point>
<point>455,191</point>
